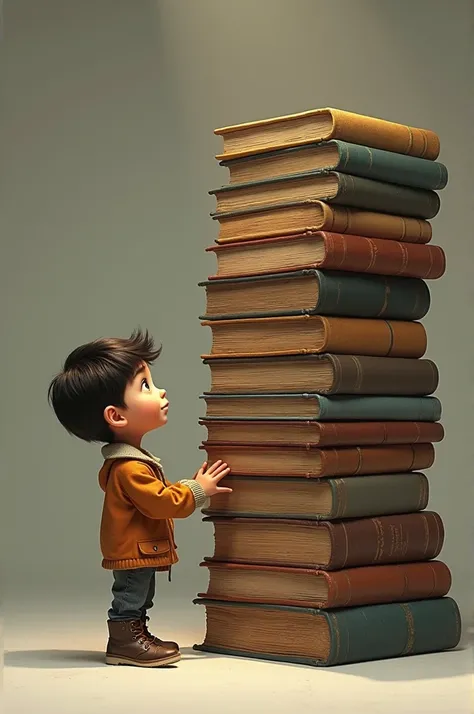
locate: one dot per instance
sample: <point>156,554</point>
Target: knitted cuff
<point>198,492</point>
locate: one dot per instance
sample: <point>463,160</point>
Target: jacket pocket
<point>152,548</point>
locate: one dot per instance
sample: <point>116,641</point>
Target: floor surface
<point>54,663</point>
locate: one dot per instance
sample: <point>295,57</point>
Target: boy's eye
<point>145,384</point>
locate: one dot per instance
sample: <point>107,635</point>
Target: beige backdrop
<point>107,115</point>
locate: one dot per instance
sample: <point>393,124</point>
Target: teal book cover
<point>345,636</point>
<point>336,293</point>
<point>339,408</point>
<point>364,161</point>
<point>331,187</point>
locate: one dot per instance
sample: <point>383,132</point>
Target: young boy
<point>105,393</point>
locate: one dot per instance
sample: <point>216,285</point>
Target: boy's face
<point>146,407</point>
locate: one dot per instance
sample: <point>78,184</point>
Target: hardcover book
<point>311,215</point>
<point>308,587</point>
<point>325,374</point>
<point>324,638</point>
<point>323,124</point>
<point>311,406</point>
<point>316,433</point>
<point>304,334</point>
<point>327,544</point>
<point>313,462</point>
<point>316,292</point>
<point>331,187</point>
<point>329,499</point>
<point>336,155</point>
<point>329,251</point>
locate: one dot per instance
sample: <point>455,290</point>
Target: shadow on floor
<point>53,659</point>
<point>439,665</point>
<point>70,659</point>
<point>454,663</point>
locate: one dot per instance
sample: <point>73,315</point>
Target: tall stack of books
<point>321,398</point>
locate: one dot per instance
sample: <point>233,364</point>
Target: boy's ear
<point>114,418</point>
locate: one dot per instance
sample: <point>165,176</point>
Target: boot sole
<point>163,662</point>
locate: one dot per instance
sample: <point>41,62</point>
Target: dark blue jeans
<point>133,592</point>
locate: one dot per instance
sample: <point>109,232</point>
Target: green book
<point>334,293</point>
<point>311,406</point>
<point>348,158</point>
<point>330,637</point>
<point>328,499</point>
<point>332,187</point>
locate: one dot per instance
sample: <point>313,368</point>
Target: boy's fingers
<point>221,489</point>
<point>220,473</point>
<point>219,476</point>
<point>215,465</point>
<point>216,468</point>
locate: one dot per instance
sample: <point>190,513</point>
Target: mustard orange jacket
<point>139,507</point>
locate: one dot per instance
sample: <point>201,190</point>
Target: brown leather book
<point>315,333</point>
<point>328,251</point>
<point>328,545</point>
<point>288,219</point>
<point>314,433</point>
<point>312,462</point>
<point>309,587</point>
<point>322,125</point>
<point>324,374</point>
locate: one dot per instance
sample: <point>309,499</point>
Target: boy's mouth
<point>165,406</point>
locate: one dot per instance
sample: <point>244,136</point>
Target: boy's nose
<point>163,393</point>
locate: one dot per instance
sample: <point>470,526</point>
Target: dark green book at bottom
<point>332,637</point>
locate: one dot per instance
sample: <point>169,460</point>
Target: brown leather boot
<point>165,643</point>
<point>129,643</point>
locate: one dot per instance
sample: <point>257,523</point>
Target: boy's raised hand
<point>209,478</point>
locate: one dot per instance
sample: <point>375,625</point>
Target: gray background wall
<point>107,116</point>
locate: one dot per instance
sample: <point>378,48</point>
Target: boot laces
<point>154,639</point>
<point>141,634</point>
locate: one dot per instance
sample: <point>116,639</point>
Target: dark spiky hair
<point>95,375</point>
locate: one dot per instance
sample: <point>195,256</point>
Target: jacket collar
<point>125,451</point>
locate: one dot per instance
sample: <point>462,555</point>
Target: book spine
<point>372,296</point>
<point>354,374</point>
<point>379,408</point>
<point>343,219</point>
<point>393,630</point>
<point>362,254</point>
<point>383,134</point>
<point>364,496</point>
<point>387,539</point>
<point>359,433</point>
<point>387,583</point>
<point>359,192</point>
<point>382,338</point>
<point>389,166</point>
<point>375,459</point>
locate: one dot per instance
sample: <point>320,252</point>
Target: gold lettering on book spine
<point>337,637</point>
<point>410,629</point>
